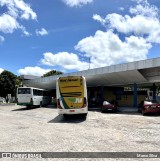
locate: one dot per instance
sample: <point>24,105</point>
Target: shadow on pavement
<point>120,110</point>
<point>50,106</point>
<point>7,104</point>
<point>152,115</point>
<point>69,119</point>
<point>125,111</point>
<point>94,109</point>
<point>25,109</point>
<point>134,111</point>
<point>128,113</point>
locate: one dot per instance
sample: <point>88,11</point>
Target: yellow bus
<point>71,92</point>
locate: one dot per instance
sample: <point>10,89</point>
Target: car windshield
<point>151,101</point>
<point>106,102</point>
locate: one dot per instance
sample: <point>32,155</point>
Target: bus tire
<point>41,105</point>
<point>65,116</point>
<point>28,106</point>
<point>85,115</point>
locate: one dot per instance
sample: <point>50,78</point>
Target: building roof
<point>140,72</point>
<point>28,77</point>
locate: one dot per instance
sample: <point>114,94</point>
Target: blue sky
<point>73,35</point>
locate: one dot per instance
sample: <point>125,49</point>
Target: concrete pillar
<point>135,95</point>
<point>102,92</point>
<point>102,96</point>
<point>154,91</point>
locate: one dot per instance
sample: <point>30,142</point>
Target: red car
<point>107,106</point>
<point>149,106</point>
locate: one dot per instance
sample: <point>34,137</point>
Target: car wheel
<point>115,110</point>
<point>65,116</point>
<point>84,115</point>
<point>102,110</point>
<point>143,113</point>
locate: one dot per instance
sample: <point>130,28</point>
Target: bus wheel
<point>84,115</point>
<point>28,106</point>
<point>65,116</point>
<point>41,105</point>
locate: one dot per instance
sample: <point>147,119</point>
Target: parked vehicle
<point>2,100</point>
<point>109,106</point>
<point>72,95</point>
<point>29,96</point>
<point>94,103</point>
<point>149,106</point>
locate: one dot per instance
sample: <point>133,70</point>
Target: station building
<point>127,83</point>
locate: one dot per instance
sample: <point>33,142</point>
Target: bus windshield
<point>24,91</point>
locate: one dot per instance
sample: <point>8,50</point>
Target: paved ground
<point>43,130</point>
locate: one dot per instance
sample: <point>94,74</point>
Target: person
<point>146,98</point>
<point>93,101</point>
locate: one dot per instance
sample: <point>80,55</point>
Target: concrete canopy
<point>140,72</point>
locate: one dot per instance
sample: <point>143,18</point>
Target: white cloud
<point>16,9</point>
<point>26,33</point>
<point>121,9</point>
<point>1,70</point>
<point>8,24</point>
<point>27,12</point>
<point>2,39</point>
<point>139,29</point>
<point>19,8</point>
<point>77,3</point>
<point>145,9</point>
<point>41,32</point>
<point>143,21</point>
<point>106,48</point>
<point>139,24</point>
<point>37,71</point>
<point>99,19</point>
<point>66,60</point>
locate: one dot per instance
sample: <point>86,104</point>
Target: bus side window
<point>46,93</point>
<point>40,93</point>
<point>28,91</point>
<point>19,91</point>
<point>35,93</point>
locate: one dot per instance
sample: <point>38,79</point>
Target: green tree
<point>52,73</point>
<point>8,83</point>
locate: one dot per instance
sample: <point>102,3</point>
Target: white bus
<point>71,95</point>
<point>29,96</point>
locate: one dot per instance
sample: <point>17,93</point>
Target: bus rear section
<point>71,94</point>
<point>29,96</point>
<point>25,96</point>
